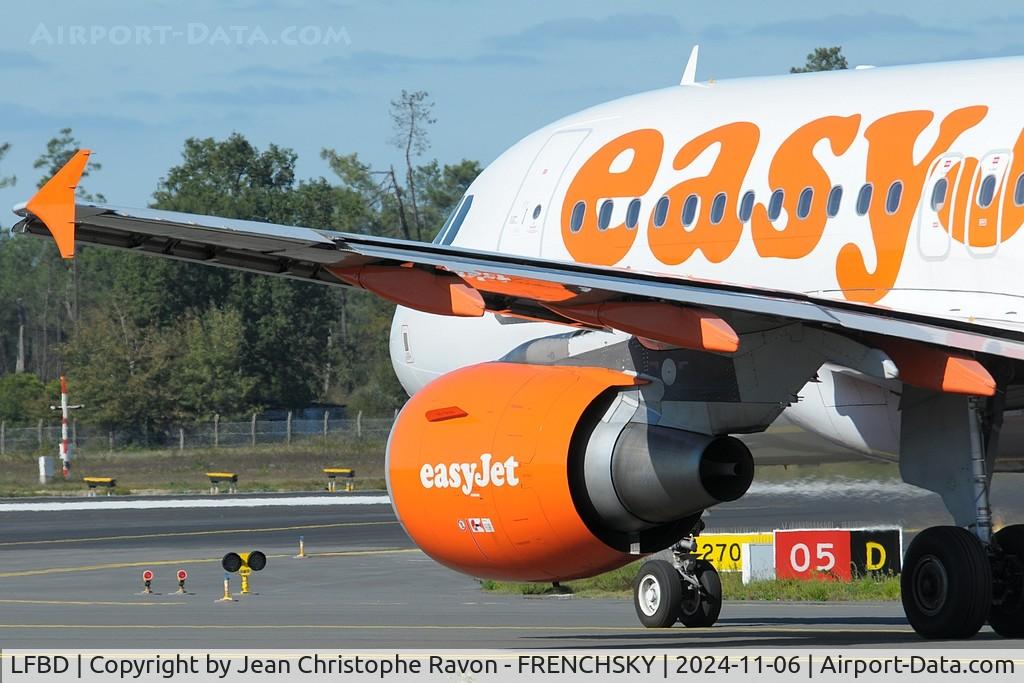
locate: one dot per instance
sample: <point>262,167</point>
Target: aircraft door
<point>984,207</point>
<point>934,239</point>
<point>532,207</point>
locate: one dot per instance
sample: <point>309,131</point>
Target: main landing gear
<point>687,589</point>
<point>956,578</point>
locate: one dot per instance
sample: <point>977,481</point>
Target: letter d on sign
<point>875,556</point>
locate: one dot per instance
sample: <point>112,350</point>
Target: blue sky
<point>134,79</point>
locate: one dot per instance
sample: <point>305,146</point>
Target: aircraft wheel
<point>946,584</point>
<point>1007,616</point>
<point>657,594</point>
<point>701,609</point>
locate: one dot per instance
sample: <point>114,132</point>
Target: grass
<point>280,467</point>
<point>618,583</point>
<point>272,467</point>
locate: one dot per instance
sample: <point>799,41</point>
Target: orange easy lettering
<point>672,243</point>
<point>793,170</point>
<point>891,142</point>
<point>596,181</point>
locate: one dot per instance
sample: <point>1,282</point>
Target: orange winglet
<point>54,204</point>
<point>423,290</point>
<point>929,367</point>
<point>691,328</point>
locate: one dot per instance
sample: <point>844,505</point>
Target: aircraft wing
<point>939,353</point>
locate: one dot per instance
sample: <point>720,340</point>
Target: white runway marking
<point>840,486</point>
<point>170,503</point>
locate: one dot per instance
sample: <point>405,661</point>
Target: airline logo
<point>468,476</point>
<point>894,155</point>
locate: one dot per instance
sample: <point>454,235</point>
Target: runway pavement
<point>71,578</point>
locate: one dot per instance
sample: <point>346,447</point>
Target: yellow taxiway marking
<point>717,631</point>
<point>203,560</point>
<point>171,534</point>
<point>6,601</point>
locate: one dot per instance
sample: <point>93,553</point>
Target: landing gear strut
<point>954,579</point>
<point>687,589</point>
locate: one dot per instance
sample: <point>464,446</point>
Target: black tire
<point>946,584</point>
<point>701,610</point>
<point>657,594</point>
<point>1007,617</point>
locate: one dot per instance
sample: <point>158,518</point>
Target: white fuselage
<point>940,147</point>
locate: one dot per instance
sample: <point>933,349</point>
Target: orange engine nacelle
<point>500,470</point>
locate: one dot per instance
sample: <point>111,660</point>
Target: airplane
<point>625,299</point>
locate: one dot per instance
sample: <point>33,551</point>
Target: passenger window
<point>536,212</point>
<point>576,220</point>
<point>604,215</point>
<point>660,212</point>
<point>458,217</point>
<point>938,199</point>
<point>987,191</point>
<point>746,206</point>
<point>803,205</point>
<point>893,197</point>
<point>835,199</point>
<point>690,210</point>
<point>775,205</point>
<point>864,199</point>
<point>718,208</point>
<point>1018,192</point>
<point>633,214</point>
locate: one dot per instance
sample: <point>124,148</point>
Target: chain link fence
<point>44,439</point>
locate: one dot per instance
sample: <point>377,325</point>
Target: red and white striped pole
<point>65,451</point>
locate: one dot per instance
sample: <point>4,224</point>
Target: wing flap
<point>506,283</point>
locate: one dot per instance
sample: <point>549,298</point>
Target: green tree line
<point>147,342</point>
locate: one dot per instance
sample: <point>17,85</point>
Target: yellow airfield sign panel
<point>725,551</point>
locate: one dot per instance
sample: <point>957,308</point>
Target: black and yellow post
<point>333,473</point>
<point>244,564</point>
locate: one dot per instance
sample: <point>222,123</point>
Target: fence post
<point>181,438</point>
<point>288,438</point>
<point>3,437</point>
<point>252,431</point>
<point>326,413</point>
<point>216,431</point>
<point>39,433</point>
<point>110,441</point>
<point>359,425</point>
